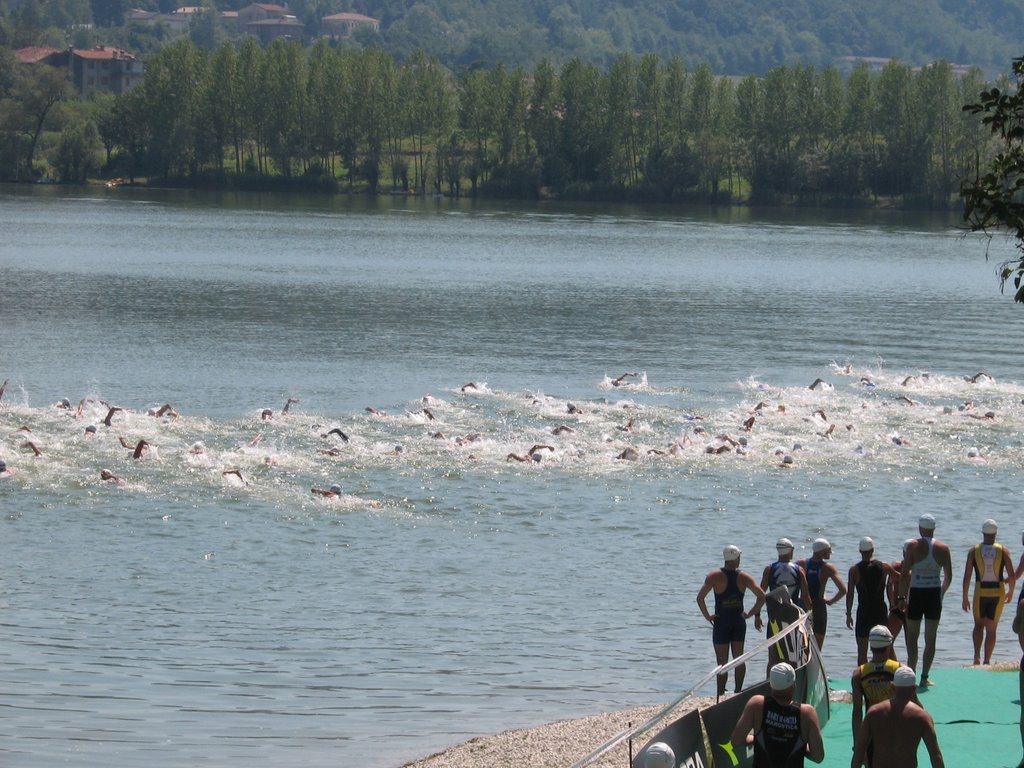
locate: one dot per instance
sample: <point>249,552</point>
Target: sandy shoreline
<point>555,745</point>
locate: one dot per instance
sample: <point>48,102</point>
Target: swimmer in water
<point>469,385</point>
<point>266,414</point>
<point>6,471</point>
<point>234,472</point>
<point>90,431</point>
<point>534,454</point>
<point>562,429</point>
<point>338,432</point>
<point>110,414</point>
<point>33,447</point>
<point>979,377</point>
<point>110,477</point>
<point>575,409</point>
<point>332,492</point>
<point>987,416</point>
<point>288,404</point>
<point>374,411</point>
<point>165,410</point>
<point>141,449</point>
<point>618,382</point>
<point>629,454</point>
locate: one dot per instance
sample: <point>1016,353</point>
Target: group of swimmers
<point>891,597</point>
<point>768,431</point>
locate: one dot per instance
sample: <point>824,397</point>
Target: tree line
<point>643,128</point>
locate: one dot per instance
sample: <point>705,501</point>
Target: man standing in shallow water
<point>729,622</point>
<point>925,576</point>
<point>988,561</point>
<point>818,572</point>
<point>870,580</point>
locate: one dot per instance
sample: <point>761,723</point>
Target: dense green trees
<point>645,129</point>
<point>994,195</point>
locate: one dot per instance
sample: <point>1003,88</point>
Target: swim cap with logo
<point>782,677</point>
<point>879,636</point>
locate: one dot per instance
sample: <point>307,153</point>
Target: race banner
<point>719,722</point>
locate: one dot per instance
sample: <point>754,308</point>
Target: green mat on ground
<point>976,713</point>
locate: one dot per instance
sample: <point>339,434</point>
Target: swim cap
<point>905,677</point>
<point>3,466</point>
<point>867,544</point>
<point>91,429</point>
<point>879,636</point>
<point>335,489</point>
<point>731,552</point>
<point>927,522</point>
<point>659,755</point>
<point>782,677</point>
<point>783,544</point>
<point>989,526</point>
<point>820,545</point>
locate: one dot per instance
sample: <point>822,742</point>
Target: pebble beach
<point>558,744</point>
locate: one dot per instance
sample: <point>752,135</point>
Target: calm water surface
<point>191,616</point>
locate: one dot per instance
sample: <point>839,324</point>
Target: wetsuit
<point>779,743</point>
<point>785,574</point>
<point>871,608</point>
<point>729,625</point>
<point>989,588</point>
<point>925,598</point>
<point>819,611</point>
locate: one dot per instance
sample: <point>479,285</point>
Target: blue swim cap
<point>336,489</point>
<point>91,428</point>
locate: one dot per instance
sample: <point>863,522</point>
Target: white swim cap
<point>880,636</point>
<point>731,552</point>
<point>782,677</point>
<point>905,677</point>
<point>867,544</point>
<point>659,755</point>
<point>820,545</point>
<point>989,526</point>
<point>927,522</point>
<point>783,544</point>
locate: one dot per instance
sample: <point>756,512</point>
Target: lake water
<point>196,617</point>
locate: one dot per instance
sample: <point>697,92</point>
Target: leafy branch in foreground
<point>994,200</point>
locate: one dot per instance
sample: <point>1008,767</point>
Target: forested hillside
<point>734,37</point>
